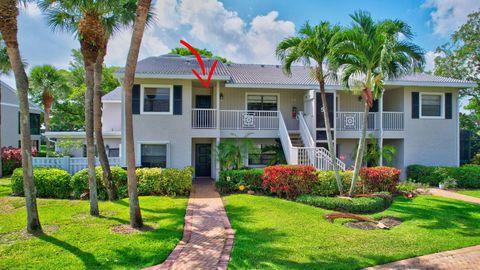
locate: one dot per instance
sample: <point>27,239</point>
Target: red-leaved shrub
<point>12,159</point>
<point>378,179</point>
<point>289,180</point>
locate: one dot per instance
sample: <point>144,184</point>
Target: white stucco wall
<point>111,117</point>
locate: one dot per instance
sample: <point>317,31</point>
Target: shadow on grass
<point>88,259</point>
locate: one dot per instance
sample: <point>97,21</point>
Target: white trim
<point>80,134</point>
<point>262,94</point>
<point>142,98</point>
<point>433,84</point>
<point>442,105</point>
<point>138,151</point>
<point>32,109</point>
<point>169,76</point>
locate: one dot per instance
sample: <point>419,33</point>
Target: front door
<point>203,162</point>
<point>203,102</point>
<point>203,118</point>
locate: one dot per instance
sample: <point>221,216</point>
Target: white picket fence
<point>69,164</point>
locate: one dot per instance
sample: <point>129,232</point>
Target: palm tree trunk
<point>331,148</point>
<point>97,109</point>
<point>143,7</point>
<point>1,168</point>
<point>92,182</point>
<point>8,29</point>
<point>48,110</point>
<point>360,150</point>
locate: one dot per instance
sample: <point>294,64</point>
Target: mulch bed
<point>390,222</point>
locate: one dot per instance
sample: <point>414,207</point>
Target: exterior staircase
<point>296,139</point>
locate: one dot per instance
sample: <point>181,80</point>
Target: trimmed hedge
<point>380,179</point>
<point>467,176</point>
<point>326,184</point>
<point>49,183</point>
<point>231,180</point>
<point>169,181</point>
<point>289,181</point>
<point>360,205</point>
<point>79,183</point>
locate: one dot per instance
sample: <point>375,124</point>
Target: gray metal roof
<point>116,94</point>
<point>32,105</point>
<point>256,75</point>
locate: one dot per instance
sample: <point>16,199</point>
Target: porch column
<point>380,140</point>
<point>217,139</point>
<point>217,162</point>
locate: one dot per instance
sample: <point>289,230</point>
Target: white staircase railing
<point>319,157</point>
<point>291,153</point>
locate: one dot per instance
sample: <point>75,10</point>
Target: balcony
<point>235,119</point>
<point>353,121</point>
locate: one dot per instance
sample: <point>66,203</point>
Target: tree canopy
<point>203,52</point>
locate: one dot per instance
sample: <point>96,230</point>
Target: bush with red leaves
<point>289,181</point>
<point>12,159</point>
<point>378,179</point>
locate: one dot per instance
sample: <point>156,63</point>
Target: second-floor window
<point>34,123</point>
<point>157,99</point>
<point>431,105</point>
<point>262,102</point>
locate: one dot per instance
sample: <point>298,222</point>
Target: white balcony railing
<point>204,118</point>
<point>353,121</point>
<point>249,120</point>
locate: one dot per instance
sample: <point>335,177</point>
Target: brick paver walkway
<point>454,195</point>
<point>460,259</point>
<point>208,235</point>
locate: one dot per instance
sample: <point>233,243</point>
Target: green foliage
<point>66,145</point>
<point>372,153</point>
<point>327,185</point>
<point>5,66</point>
<point>169,181</point>
<point>467,176</point>
<point>47,80</point>
<point>203,52</point>
<point>231,180</point>
<point>359,205</point>
<point>49,182</point>
<point>409,186</point>
<point>232,152</point>
<point>79,183</point>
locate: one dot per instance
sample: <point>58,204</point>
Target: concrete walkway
<point>208,236</point>
<point>460,259</point>
<point>453,195</point>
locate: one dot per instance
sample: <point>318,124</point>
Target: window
<point>157,99</point>
<point>431,105</point>
<point>262,102</point>
<point>261,155</point>
<point>34,123</point>
<point>153,155</point>
<point>114,152</point>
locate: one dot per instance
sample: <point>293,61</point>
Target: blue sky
<point>243,31</point>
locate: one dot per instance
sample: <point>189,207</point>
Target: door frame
<point>196,159</point>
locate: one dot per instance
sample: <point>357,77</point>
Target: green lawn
<point>473,193</point>
<point>75,240</point>
<point>277,234</point>
<point>5,189</point>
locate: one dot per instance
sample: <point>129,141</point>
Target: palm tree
<point>143,7</point>
<point>370,52</point>
<point>5,68</point>
<point>314,43</point>
<point>47,84</point>
<point>83,17</point>
<point>9,30</point>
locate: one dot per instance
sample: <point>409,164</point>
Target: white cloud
<point>166,14</point>
<point>430,60</point>
<point>448,15</point>
<point>32,10</point>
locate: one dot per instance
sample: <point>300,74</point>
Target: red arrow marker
<point>202,65</point>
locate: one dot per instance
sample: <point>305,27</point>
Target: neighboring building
<point>10,119</point>
<point>178,122</point>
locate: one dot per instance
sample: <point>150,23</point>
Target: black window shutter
<point>448,105</point>
<point>415,105</point>
<point>177,100</point>
<point>374,106</point>
<point>136,99</point>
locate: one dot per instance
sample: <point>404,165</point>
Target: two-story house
<point>177,122</point>
<point>10,119</point>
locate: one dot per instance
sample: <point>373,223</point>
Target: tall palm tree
<point>84,18</point>
<point>370,52</point>
<point>314,42</point>
<point>143,7</point>
<point>9,31</point>
<point>5,68</point>
<point>47,84</point>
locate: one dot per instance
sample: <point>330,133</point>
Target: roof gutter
<point>172,76</point>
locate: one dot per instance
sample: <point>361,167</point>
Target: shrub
<point>467,176</point>
<point>326,184</point>
<point>289,180</point>
<point>378,179</point>
<point>79,182</point>
<point>170,181</point>
<point>408,187</point>
<point>231,180</point>
<point>49,182</point>
<point>360,205</point>
<point>12,159</point>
